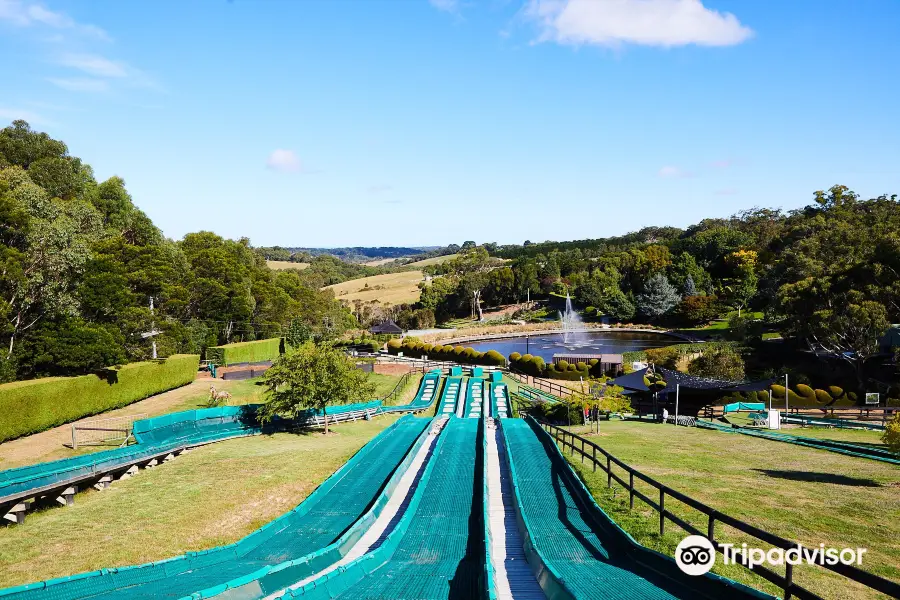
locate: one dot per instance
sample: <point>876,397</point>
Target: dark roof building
<point>386,328</point>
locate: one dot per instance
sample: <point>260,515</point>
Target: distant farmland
<point>431,261</point>
<point>281,265</point>
<point>392,288</point>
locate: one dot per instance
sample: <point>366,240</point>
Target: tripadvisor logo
<point>696,555</point>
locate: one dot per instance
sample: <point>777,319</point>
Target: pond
<point>584,342</point>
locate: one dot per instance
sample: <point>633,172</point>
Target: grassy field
<point>431,261</point>
<point>280,265</point>
<point>380,261</point>
<point>210,496</point>
<point>799,493</point>
<point>857,436</point>
<point>392,288</point>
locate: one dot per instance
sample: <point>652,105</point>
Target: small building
<point>386,328</point>
<point>609,363</point>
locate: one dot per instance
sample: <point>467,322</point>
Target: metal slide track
<point>512,575</point>
<point>449,396</point>
<point>475,394</point>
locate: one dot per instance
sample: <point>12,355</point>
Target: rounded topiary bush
<point>762,396</point>
<point>581,366</point>
<point>778,391</point>
<point>593,362</point>
<point>835,391</point>
<point>458,350</point>
<point>514,357</point>
<point>393,346</point>
<point>571,367</point>
<point>590,311</point>
<point>494,358</point>
<point>823,397</point>
<point>562,365</point>
<point>805,391</point>
<point>527,358</point>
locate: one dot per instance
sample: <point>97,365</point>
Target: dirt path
<point>48,445</point>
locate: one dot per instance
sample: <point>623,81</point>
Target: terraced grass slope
<point>317,522</point>
<point>442,553</point>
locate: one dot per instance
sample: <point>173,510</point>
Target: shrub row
<point>801,395</point>
<point>460,354</point>
<point>535,366</point>
<point>31,406</point>
<point>245,352</point>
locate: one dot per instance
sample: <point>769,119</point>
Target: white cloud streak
<point>285,161</point>
<point>94,65</point>
<point>612,23</point>
<point>31,14</point>
<point>80,84</point>
<point>450,6</point>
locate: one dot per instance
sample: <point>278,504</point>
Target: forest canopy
<point>80,263</point>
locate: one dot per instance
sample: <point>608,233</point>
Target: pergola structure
<point>695,392</point>
<point>386,328</point>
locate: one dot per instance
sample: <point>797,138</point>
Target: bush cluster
<point>536,367</point>
<point>417,349</point>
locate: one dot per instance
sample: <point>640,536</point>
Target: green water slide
<point>500,407</point>
<point>449,397</point>
<point>425,396</point>
<point>869,451</point>
<point>574,548</point>
<point>474,397</point>
<point>317,522</point>
<point>437,549</point>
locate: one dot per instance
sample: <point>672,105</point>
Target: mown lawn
<point>807,495</point>
<point>210,496</point>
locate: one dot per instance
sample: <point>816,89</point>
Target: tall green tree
<point>313,376</point>
<point>658,298</point>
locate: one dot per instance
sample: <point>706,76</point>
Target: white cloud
<point>285,161</point>
<point>94,65</point>
<point>80,84</point>
<point>664,23</point>
<point>27,14</point>
<point>450,6</point>
<point>671,172</point>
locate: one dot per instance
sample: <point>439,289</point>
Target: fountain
<point>572,325</point>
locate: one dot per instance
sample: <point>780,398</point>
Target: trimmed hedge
<point>245,352</point>
<point>31,406</point>
<point>417,349</point>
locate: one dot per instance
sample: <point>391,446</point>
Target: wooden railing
<point>606,462</point>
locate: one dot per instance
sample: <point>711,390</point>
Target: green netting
<point>317,522</point>
<point>736,406</point>
<point>537,395</point>
<point>500,407</point>
<point>831,422</point>
<point>428,389</point>
<point>441,551</point>
<point>474,397</point>
<point>580,550</point>
<point>452,389</point>
<point>873,453</point>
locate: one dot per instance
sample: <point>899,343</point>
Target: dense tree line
<point>80,264</point>
<point>828,274</point>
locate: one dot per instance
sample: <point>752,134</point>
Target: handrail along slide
<point>589,450</point>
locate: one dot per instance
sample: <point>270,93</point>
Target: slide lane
<point>425,396</point>
<point>474,398</point>
<point>437,550</point>
<point>500,408</point>
<point>317,522</point>
<point>449,397</point>
<point>574,548</point>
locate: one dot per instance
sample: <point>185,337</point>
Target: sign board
<point>871,398</point>
<point>774,419</point>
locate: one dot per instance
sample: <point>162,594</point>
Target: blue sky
<point>407,122</point>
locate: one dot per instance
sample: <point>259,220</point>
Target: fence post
<point>594,458</point>
<point>608,472</point>
<point>662,512</point>
<point>74,438</point>
<point>582,450</point>
<point>789,580</point>
<point>631,489</point>
<point>711,530</point>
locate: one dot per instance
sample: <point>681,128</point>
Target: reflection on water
<point>599,342</point>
